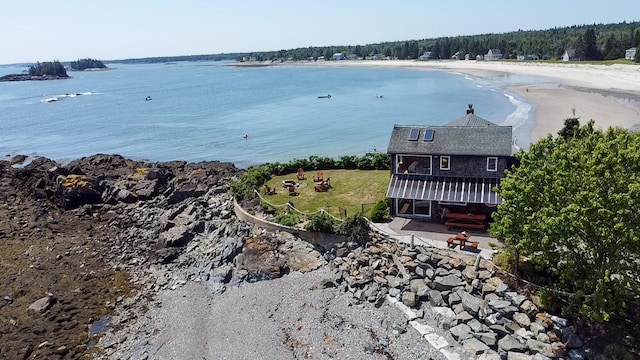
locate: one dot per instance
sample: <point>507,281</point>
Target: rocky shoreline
<point>27,77</point>
<point>107,256</point>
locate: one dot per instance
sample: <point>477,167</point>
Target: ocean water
<point>202,110</point>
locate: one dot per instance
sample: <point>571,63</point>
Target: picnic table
<point>464,240</point>
<point>465,221</point>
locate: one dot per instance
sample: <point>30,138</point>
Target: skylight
<point>428,135</point>
<point>414,134</point>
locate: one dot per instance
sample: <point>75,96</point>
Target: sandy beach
<point>608,94</point>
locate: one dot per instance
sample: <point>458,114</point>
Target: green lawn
<point>350,189</point>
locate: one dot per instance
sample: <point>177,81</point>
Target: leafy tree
<point>571,125</point>
<point>571,206</point>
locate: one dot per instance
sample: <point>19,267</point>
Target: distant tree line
<point>54,68</point>
<point>82,64</point>
<point>591,42</point>
<point>161,59</point>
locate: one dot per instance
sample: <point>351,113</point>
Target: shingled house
<point>453,167</point>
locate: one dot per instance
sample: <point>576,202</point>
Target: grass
<point>350,190</point>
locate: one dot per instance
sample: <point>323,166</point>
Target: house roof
<point>440,188</point>
<point>570,52</point>
<point>470,135</point>
<point>494,51</point>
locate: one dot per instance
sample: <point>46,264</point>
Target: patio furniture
<point>269,190</point>
<point>319,177</point>
<point>465,221</point>
<point>300,174</point>
<point>293,191</point>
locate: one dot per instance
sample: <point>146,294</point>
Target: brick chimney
<point>470,109</point>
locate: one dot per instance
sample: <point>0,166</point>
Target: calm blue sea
<point>201,111</point>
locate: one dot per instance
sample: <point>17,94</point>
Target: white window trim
<point>448,162</point>
<point>489,158</point>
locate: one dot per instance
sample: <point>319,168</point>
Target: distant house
<point>377,56</point>
<point>479,57</point>
<point>630,54</point>
<point>456,166</point>
<point>569,55</point>
<point>456,56</point>
<point>493,54</point>
<point>426,56</point>
<point>338,56</point>
<point>321,58</point>
<point>527,57</point>
<point>352,57</point>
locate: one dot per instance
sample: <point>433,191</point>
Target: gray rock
<point>474,346</point>
<point>470,303</point>
<point>435,298</point>
<point>453,298</point>
<point>444,283</point>
<point>409,298</point>
<point>539,356</point>
<point>464,317</point>
<point>475,325</point>
<point>176,236</point>
<point>499,305</point>
<point>536,328</point>
<point>489,338</point>
<point>41,305</point>
<point>461,332</point>
<point>536,347</point>
<point>490,355</point>
<point>419,286</point>
<point>509,343</point>
<point>512,355</point>
<point>522,319</point>
<point>515,298</point>
<point>522,335</point>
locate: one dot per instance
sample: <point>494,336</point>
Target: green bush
<point>356,228</point>
<point>618,352</point>
<point>287,218</point>
<point>505,260</point>
<point>321,222</point>
<point>380,211</point>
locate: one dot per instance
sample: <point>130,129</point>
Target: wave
<point>520,122</point>
<point>68,95</point>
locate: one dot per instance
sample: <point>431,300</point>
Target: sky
<point>39,30</point>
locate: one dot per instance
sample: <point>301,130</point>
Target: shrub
<point>321,222</point>
<point>380,211</point>
<point>356,228</point>
<point>505,260</point>
<point>287,218</point>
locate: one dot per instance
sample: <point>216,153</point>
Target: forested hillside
<point>591,42</point>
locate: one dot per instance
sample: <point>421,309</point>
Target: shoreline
<point>608,94</point>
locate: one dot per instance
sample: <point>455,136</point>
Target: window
<point>492,163</point>
<point>428,135</point>
<point>445,163</point>
<point>414,134</point>
<point>413,164</point>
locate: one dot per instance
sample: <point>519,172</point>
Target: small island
<point>40,71</point>
<point>87,64</point>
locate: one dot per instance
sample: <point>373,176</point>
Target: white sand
<point>608,94</point>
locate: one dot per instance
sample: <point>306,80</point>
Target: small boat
<point>328,96</point>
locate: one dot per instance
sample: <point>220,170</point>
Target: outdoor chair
<point>293,191</point>
<point>319,177</point>
<point>269,190</point>
<point>300,174</point>
<point>323,186</point>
